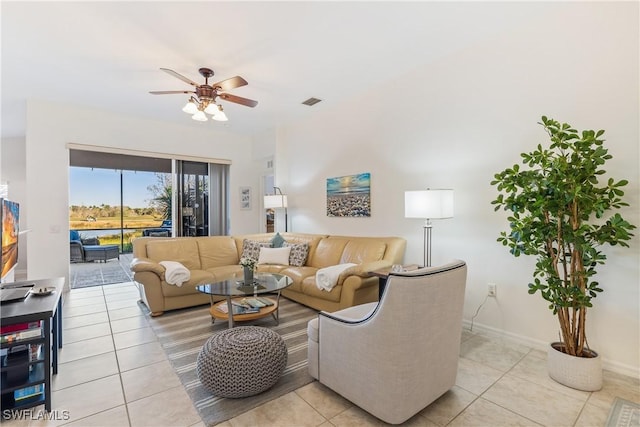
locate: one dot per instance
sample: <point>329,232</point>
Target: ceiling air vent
<point>311,101</point>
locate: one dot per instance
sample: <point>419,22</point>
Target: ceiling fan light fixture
<point>205,95</point>
<point>199,116</point>
<point>190,107</point>
<point>220,115</point>
<point>211,109</point>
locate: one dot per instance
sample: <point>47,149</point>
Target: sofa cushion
<point>184,251</point>
<point>328,252</point>
<point>363,250</point>
<point>278,256</point>
<point>277,241</point>
<point>299,253</point>
<point>225,272</point>
<point>251,248</point>
<point>271,268</point>
<point>217,251</point>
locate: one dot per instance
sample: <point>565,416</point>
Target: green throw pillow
<point>277,241</point>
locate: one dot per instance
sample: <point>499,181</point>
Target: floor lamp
<point>275,201</point>
<point>428,204</point>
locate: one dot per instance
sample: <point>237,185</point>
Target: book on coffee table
<point>241,303</point>
<point>254,302</point>
<point>237,309</point>
<point>266,301</point>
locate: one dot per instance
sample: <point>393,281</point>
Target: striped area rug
<point>182,334</point>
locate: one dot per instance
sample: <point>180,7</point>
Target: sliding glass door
<point>115,198</point>
<point>119,197</point>
<point>201,198</point>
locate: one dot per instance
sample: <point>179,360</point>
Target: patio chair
<point>76,246</point>
<point>89,249</point>
<point>156,232</point>
<point>77,252</point>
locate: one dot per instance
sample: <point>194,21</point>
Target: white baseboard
<point>610,365</point>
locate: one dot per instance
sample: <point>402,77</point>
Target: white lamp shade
<point>220,115</point>
<point>428,204</point>
<point>199,116</point>
<point>211,109</point>
<point>190,107</point>
<point>275,201</point>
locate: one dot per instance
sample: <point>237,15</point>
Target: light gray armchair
<point>395,357</point>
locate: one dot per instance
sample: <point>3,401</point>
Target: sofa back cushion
<point>217,251</point>
<point>328,252</point>
<point>183,250</point>
<point>363,250</point>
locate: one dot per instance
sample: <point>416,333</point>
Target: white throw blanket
<point>327,278</point>
<point>175,273</point>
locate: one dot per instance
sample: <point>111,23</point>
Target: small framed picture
<point>245,198</point>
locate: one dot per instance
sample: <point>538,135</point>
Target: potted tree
<point>557,212</point>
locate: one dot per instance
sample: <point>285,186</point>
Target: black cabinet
<point>31,336</point>
<point>23,371</point>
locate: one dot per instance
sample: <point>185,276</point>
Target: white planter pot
<point>581,373</point>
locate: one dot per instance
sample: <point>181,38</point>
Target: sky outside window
<point>95,187</point>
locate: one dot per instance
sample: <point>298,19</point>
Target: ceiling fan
<point>206,95</point>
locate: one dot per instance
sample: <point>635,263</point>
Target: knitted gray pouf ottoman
<point>241,361</point>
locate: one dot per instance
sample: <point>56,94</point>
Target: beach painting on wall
<point>349,195</point>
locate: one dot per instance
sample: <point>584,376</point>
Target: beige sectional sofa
<point>216,258</point>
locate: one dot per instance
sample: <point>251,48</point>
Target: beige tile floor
<point>113,372</point>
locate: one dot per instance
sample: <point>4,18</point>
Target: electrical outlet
<point>492,290</point>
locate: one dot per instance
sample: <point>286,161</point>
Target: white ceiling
<point>107,55</point>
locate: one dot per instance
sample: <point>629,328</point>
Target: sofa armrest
<point>139,265</point>
<point>362,270</point>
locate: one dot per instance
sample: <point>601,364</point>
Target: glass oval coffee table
<point>244,301</point>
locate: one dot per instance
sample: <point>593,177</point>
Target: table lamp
<point>428,204</point>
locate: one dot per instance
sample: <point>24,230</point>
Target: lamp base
<point>427,228</point>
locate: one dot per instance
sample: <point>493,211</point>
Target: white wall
<point>51,126</point>
<point>454,124</point>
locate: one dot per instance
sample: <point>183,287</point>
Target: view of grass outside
<point>105,217</point>
<point>151,193</point>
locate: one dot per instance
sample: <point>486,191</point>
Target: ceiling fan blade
<point>229,84</point>
<point>180,76</point>
<point>168,92</point>
<point>238,99</point>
